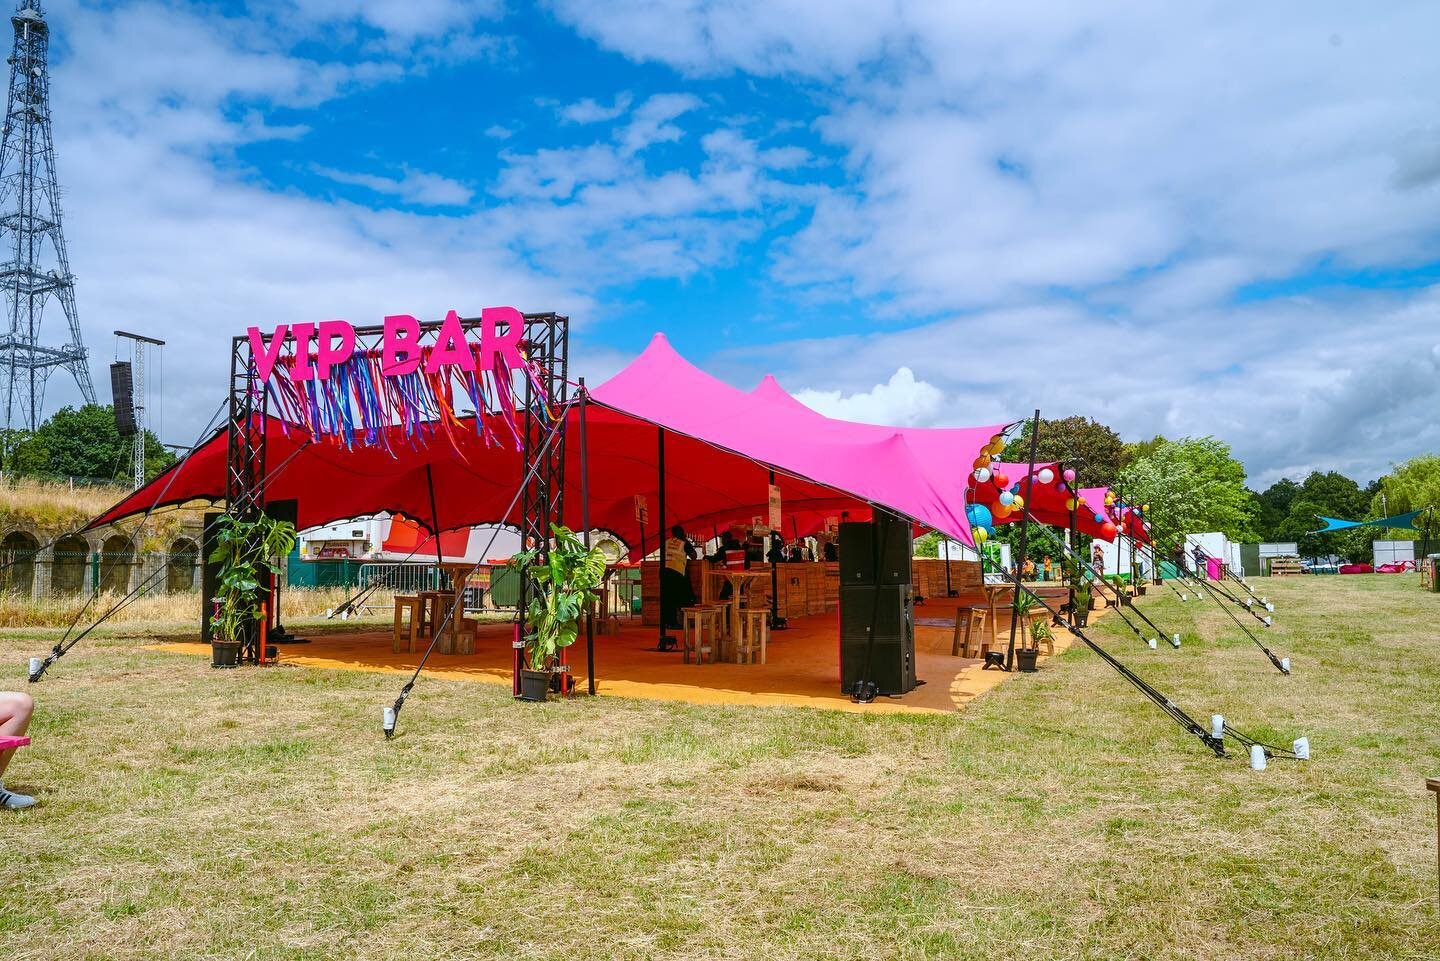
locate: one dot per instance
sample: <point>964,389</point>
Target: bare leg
<point>15,711</point>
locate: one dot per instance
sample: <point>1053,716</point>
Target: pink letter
<point>303,368</point>
<point>451,347</point>
<point>265,357</point>
<point>327,355</point>
<point>400,354</point>
<point>506,347</point>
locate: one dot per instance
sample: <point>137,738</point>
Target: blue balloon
<point>1007,498</point>
<point>978,515</point>
<point>1099,518</point>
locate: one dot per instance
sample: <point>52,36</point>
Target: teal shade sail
<point>1399,520</point>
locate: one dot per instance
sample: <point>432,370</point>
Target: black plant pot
<point>224,654</point>
<point>1082,618</point>
<point>1025,659</point>
<point>1140,589</point>
<point>534,685</point>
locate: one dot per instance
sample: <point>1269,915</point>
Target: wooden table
<point>739,581</point>
<point>449,638</point>
<point>993,593</point>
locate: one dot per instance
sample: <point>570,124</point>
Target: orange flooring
<point>802,667</point>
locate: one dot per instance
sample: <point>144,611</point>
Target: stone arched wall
<point>18,552</point>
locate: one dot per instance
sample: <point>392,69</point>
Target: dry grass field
<point>189,813</point>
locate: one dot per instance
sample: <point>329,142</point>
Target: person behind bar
<point>728,542</point>
<point>678,593</point>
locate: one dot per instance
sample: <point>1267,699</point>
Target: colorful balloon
<point>1045,476</point>
<point>1107,531</point>
<point>1099,518</point>
<point>982,474</point>
<point>981,535</point>
<point>1007,498</point>
<point>978,515</point>
<point>1069,475</point>
<point>1000,479</point>
<point>1018,502</point>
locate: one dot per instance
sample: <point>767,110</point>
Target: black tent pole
<point>774,569</point>
<point>585,525</point>
<point>1024,540</point>
<point>1073,538</point>
<point>660,539</point>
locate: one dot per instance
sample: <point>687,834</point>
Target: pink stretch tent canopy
<point>918,472</point>
<point>720,445</point>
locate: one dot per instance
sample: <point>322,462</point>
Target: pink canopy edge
<point>921,473</point>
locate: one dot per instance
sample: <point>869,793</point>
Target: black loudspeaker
<point>857,553</point>
<point>881,614</point>
<point>892,549</point>
<point>289,511</point>
<point>209,575</point>
<point>875,552</point>
<point>122,394</point>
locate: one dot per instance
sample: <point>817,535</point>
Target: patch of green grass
<point>259,814</point>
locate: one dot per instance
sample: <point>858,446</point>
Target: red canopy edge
<point>721,444</point>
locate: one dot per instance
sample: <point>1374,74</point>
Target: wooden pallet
<point>1285,566</point>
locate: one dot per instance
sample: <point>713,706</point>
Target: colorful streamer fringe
<point>358,403</point>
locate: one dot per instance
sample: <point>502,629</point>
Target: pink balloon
<point>1069,475</point>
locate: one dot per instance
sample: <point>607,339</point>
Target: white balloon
<point>1045,476</point>
<point>982,474</point>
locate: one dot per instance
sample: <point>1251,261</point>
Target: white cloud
<point>1108,178</point>
<point>902,401</point>
<point>588,110</point>
<point>413,186</point>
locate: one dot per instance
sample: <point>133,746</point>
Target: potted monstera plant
<point>564,584</point>
<point>247,549</point>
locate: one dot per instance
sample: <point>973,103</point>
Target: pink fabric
<point>921,473</point>
<point>8,741</point>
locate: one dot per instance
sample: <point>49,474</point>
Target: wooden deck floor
<point>802,668</point>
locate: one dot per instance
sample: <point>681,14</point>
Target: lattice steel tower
<point>36,267</point>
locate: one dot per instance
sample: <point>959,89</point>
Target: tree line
<point>1196,484</point>
<point>83,443</point>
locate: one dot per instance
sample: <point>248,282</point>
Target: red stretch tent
<point>721,443</point>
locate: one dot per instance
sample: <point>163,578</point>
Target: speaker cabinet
<point>875,552</point>
<point>857,553</point>
<point>893,548</point>
<point>122,395</point>
<point>884,615</point>
<point>209,575</point>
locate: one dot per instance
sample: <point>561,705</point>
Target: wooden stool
<point>434,605</point>
<point>693,621</point>
<point>961,645</point>
<point>753,636</point>
<point>401,630</point>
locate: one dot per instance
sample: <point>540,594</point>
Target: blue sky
<point>1208,219</point>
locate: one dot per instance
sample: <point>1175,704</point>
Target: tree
<point>928,545</point>
<point>84,442</point>
<point>1413,485</point>
<point>1192,485</point>
<point>1273,506</point>
<point>1099,447</point>
<point>1330,494</point>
